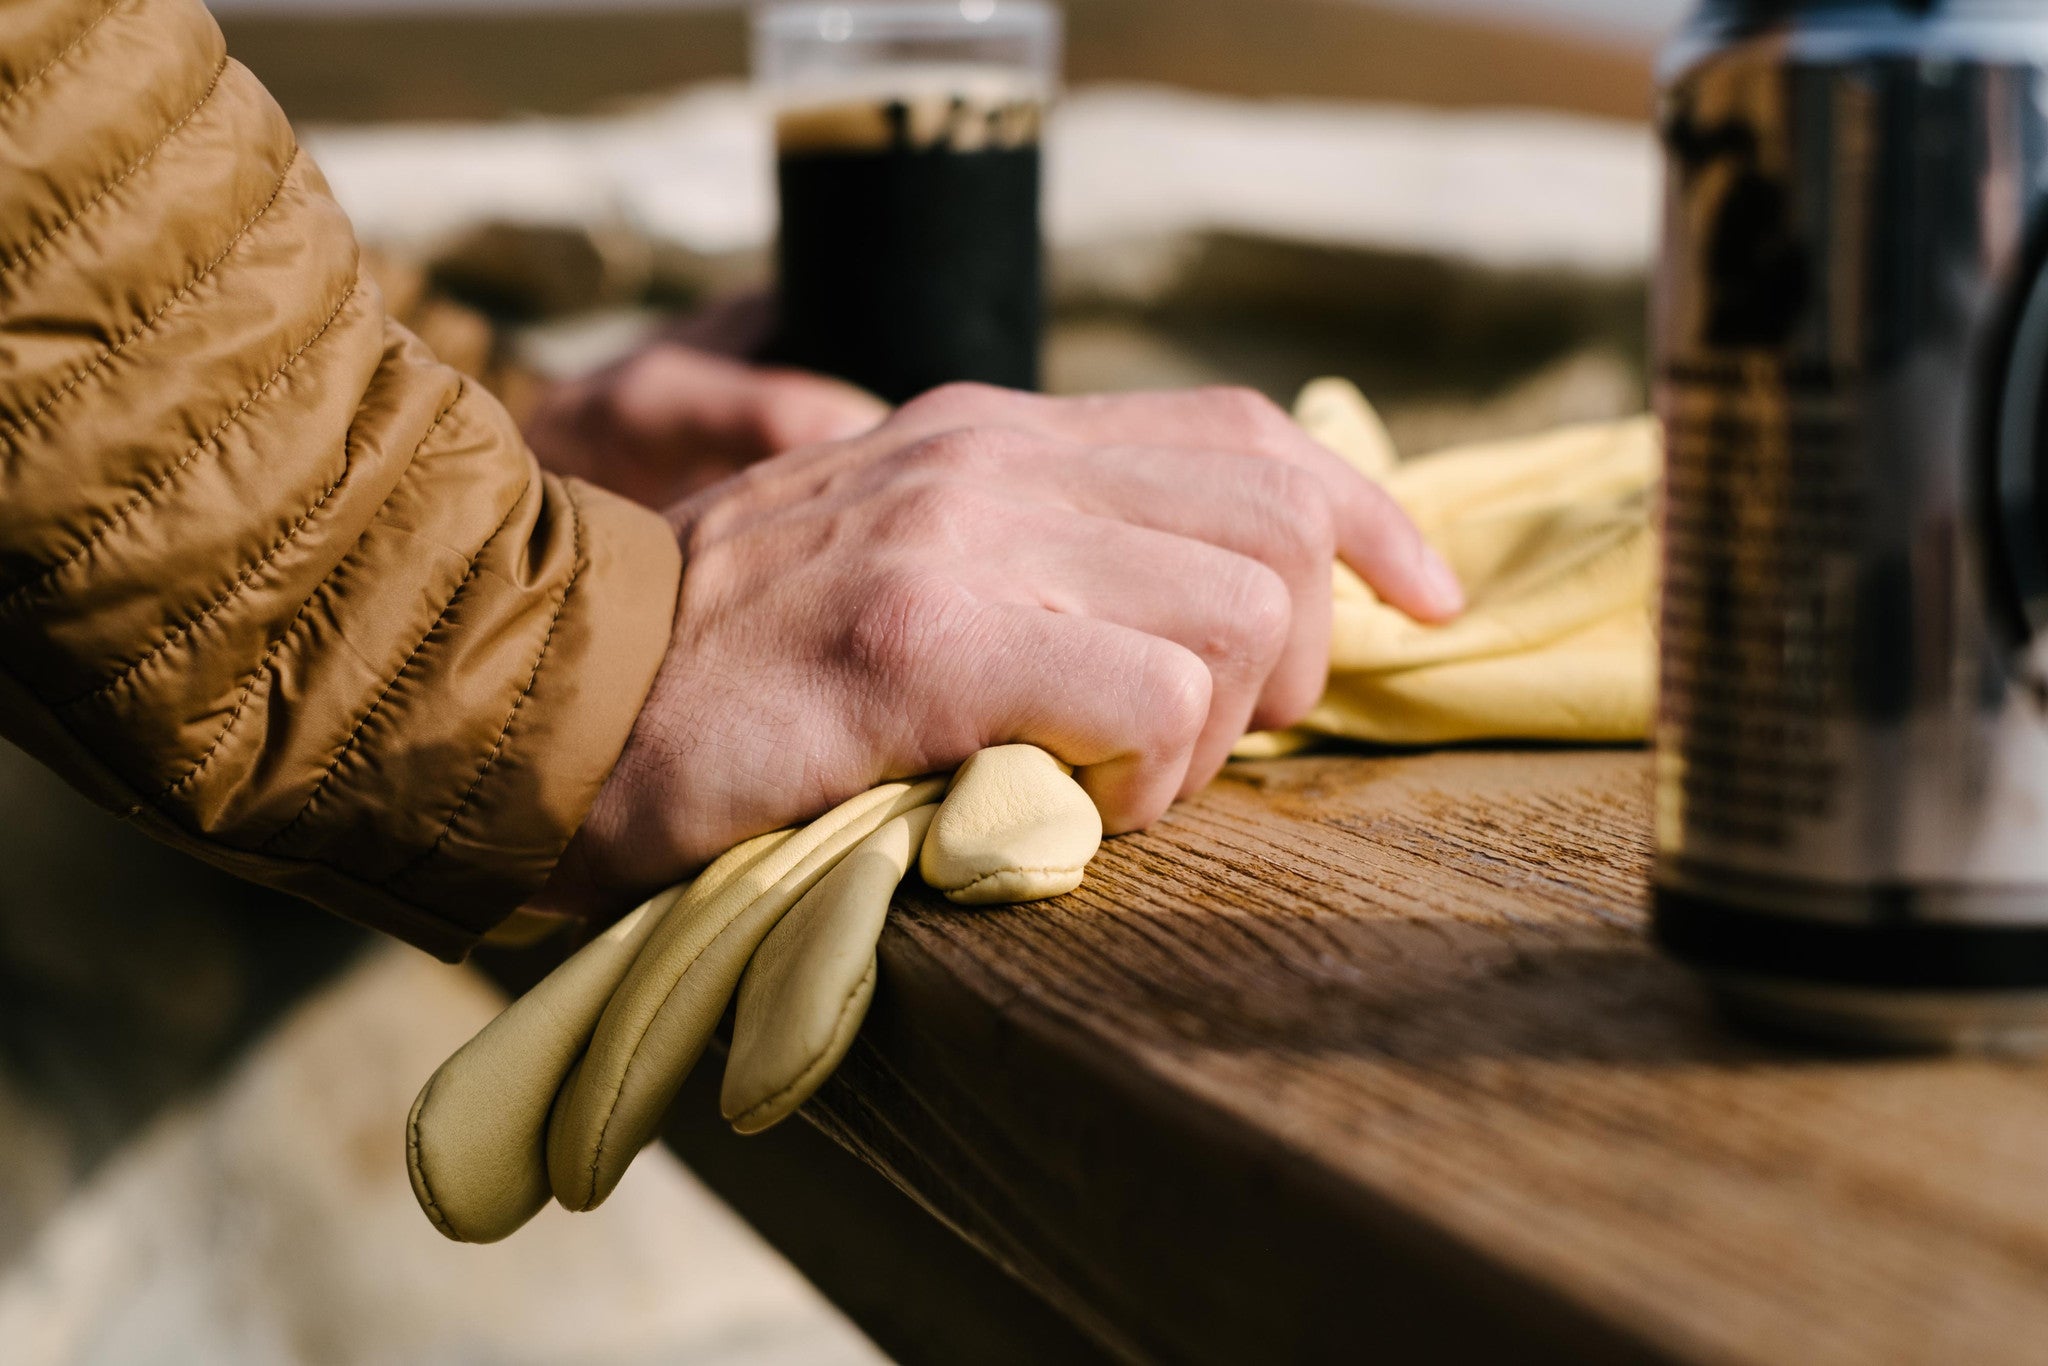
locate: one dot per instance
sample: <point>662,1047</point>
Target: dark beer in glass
<point>908,165</point>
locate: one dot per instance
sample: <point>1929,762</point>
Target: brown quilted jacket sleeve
<point>273,582</point>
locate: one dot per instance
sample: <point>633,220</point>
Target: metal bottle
<point>1851,342</point>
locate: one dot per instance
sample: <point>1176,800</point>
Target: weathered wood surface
<point>1369,1058</point>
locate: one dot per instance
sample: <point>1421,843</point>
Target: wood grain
<point>1371,1053</point>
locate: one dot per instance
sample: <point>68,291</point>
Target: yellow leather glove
<point>561,1091</point>
<point>1014,827</point>
<point>1553,540</point>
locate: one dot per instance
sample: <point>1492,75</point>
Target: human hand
<point>673,419</point>
<point>1128,582</point>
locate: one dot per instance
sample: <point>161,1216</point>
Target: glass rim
<point>882,20</point>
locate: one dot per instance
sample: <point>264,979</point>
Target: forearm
<point>273,581</point>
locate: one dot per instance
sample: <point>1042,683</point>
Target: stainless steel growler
<point>1852,360</point>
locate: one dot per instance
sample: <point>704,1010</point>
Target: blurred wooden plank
<point>473,65</point>
<point>1340,49</point>
<point>382,66</point>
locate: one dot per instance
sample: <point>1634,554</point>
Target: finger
<point>1123,708</point>
<point>669,394</point>
<point>1229,610</point>
<point>795,408</point>
<point>1374,536</point>
<point>1266,510</point>
<point>670,399</point>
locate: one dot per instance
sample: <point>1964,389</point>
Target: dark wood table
<point>1369,1059</point>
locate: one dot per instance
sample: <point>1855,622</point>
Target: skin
<point>673,419</point>
<point>1130,582</point>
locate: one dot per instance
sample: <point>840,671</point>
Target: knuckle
<point>1254,616</point>
<point>950,400</point>
<point>900,625</point>
<point>1178,688</point>
<point>1304,526</point>
<point>1245,413</point>
<point>1319,533</point>
<point>1302,496</point>
<point>938,510</point>
<point>967,452</point>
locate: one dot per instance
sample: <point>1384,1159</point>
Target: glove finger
<point>1014,827</point>
<point>1573,580</point>
<point>662,1016</point>
<point>1334,412</point>
<point>475,1145</point>
<point>1595,686</point>
<point>1592,462</point>
<point>473,1142</point>
<point>807,987</point>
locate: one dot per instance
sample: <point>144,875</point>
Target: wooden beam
<point>476,65</point>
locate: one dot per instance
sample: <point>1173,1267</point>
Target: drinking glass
<point>908,165</point>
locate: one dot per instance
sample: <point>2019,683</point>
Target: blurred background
<point>202,1086</point>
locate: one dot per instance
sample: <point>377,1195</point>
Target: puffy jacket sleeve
<point>274,583</point>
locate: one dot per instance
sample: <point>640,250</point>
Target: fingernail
<point>1440,584</point>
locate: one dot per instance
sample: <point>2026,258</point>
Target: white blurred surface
<point>271,1224</point>
<point>1505,189</point>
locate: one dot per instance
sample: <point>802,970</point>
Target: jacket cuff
<point>566,732</point>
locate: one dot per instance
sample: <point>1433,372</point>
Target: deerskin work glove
<point>1552,538</point>
<point>557,1095</point>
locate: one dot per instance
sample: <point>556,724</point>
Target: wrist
<point>613,862</point>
